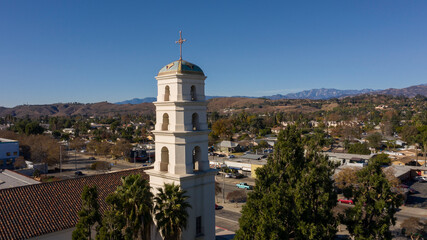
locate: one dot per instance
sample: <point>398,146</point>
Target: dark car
<point>92,158</point>
<point>78,173</point>
<point>238,176</point>
<point>217,207</point>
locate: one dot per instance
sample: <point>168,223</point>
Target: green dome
<point>181,66</point>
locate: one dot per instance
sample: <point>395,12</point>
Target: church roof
<point>181,66</point>
<point>38,209</point>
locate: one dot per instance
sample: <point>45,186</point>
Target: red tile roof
<point>35,210</point>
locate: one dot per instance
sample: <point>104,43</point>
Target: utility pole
<point>223,188</point>
<point>75,157</point>
<point>60,158</point>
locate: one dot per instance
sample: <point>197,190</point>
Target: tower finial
<point>180,42</point>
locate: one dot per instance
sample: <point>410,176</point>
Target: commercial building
<point>9,152</point>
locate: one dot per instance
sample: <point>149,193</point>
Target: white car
<point>420,178</point>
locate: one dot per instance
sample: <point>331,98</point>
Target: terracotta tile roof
<point>34,210</point>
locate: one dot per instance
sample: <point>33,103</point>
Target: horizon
<point>88,52</point>
<point>246,96</point>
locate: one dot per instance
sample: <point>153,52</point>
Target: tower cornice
<point>181,103</point>
<point>180,76</point>
<point>181,133</point>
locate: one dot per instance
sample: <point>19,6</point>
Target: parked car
<point>78,173</point>
<point>420,178</point>
<point>92,158</point>
<point>238,175</point>
<point>346,201</point>
<point>228,175</point>
<point>217,207</point>
<point>231,156</point>
<point>407,188</point>
<point>244,186</point>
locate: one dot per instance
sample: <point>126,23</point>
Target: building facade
<point>181,144</point>
<point>9,152</point>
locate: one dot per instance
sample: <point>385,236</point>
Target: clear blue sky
<point>91,51</point>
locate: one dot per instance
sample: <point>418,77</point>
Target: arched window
<point>197,153</point>
<point>195,121</point>
<point>193,93</point>
<point>165,123</point>
<point>165,159</point>
<point>167,93</point>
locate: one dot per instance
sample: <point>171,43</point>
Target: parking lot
<point>419,199</point>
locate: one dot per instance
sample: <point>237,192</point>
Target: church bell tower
<point>181,143</point>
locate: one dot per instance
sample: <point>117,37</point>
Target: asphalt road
<point>80,162</point>
<point>227,219</point>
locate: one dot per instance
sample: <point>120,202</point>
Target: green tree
<point>122,149</point>
<point>171,211</point>
<point>88,215</point>
<point>374,140</point>
<point>130,211</point>
<point>382,159</point>
<point>293,195</point>
<point>359,148</point>
<point>375,205</point>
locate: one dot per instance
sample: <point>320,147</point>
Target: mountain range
<point>254,104</point>
<point>318,94</point>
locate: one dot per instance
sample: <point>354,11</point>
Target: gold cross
<point>180,42</point>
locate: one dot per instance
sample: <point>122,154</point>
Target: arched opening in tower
<point>195,121</point>
<point>167,93</point>
<point>165,123</point>
<point>197,154</point>
<point>193,93</point>
<point>165,159</point>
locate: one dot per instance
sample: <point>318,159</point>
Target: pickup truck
<point>244,186</point>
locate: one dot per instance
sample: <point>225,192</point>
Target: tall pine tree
<point>293,195</point>
<point>375,205</point>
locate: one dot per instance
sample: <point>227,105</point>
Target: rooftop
<point>38,209</point>
<point>10,179</point>
<point>7,140</point>
<point>181,66</point>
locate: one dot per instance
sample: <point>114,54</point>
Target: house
<point>50,210</point>
<point>229,146</point>
<point>276,130</point>
<point>357,160</point>
<point>408,161</point>
<point>69,130</point>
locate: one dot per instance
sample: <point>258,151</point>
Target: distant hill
<point>316,94</point>
<point>72,109</point>
<point>323,93</point>
<point>221,104</point>
<point>407,92</point>
<point>138,100</point>
<point>151,99</point>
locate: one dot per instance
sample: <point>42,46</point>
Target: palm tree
<point>137,205</point>
<point>171,211</point>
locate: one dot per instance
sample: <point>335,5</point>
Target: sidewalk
<point>223,234</point>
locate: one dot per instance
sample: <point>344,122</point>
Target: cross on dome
<point>180,42</point>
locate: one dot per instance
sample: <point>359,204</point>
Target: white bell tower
<point>181,142</point>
